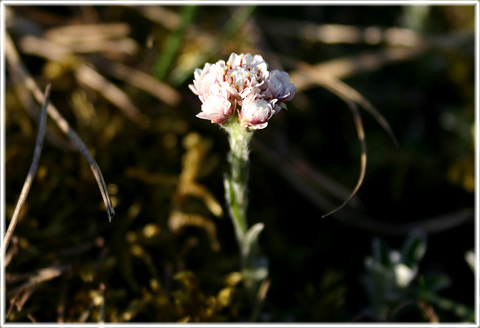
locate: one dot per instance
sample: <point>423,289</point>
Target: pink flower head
<point>244,80</point>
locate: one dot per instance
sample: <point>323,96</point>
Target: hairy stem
<point>239,139</point>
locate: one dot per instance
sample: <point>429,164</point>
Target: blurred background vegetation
<point>400,251</point>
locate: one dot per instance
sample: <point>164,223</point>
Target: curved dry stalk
<point>352,98</point>
<point>344,89</point>
<point>295,176</point>
<point>363,157</point>
<point>308,74</point>
<point>31,172</point>
<point>16,67</point>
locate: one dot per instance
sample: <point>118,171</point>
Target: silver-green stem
<point>236,190</point>
<point>239,139</point>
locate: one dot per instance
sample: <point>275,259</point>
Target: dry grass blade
<point>31,172</point>
<point>340,33</point>
<point>32,318</point>
<point>296,178</point>
<point>102,303</point>
<point>109,38</point>
<point>261,295</point>
<point>141,80</point>
<point>26,99</point>
<point>363,157</point>
<point>160,15</point>
<point>62,302</point>
<point>151,178</point>
<point>111,92</point>
<point>346,94</point>
<point>17,67</point>
<point>316,75</point>
<point>352,98</point>
<point>12,252</point>
<point>293,165</point>
<point>292,174</point>
<point>85,33</point>
<point>344,89</point>
<point>90,77</point>
<point>347,66</point>
<point>19,300</point>
<point>86,313</point>
<point>39,277</point>
<point>41,47</point>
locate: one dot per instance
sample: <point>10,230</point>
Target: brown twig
<point>31,172</point>
<point>428,311</point>
<point>17,67</point>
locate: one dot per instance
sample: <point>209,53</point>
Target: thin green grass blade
<point>180,74</point>
<point>172,44</point>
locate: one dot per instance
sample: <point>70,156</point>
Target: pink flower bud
<point>242,81</point>
<point>216,109</point>
<point>279,86</point>
<point>256,112</point>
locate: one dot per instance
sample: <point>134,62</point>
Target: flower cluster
<point>242,85</point>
